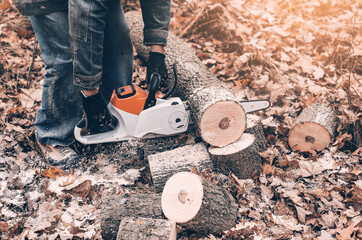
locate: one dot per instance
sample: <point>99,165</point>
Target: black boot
<point>98,119</point>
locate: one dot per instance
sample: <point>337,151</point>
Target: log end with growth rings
<point>309,137</point>
<point>223,123</point>
<point>182,197</point>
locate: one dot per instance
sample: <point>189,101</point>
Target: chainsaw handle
<point>155,80</point>
<point>173,84</point>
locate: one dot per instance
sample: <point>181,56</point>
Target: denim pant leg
<point>60,108</point>
<point>101,43</point>
<point>117,52</point>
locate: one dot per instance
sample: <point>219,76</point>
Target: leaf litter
<point>294,53</point>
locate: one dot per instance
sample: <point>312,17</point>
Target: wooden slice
<point>115,208</point>
<point>165,164</point>
<point>197,204</point>
<point>241,157</point>
<point>314,129</point>
<point>223,123</point>
<point>132,228</point>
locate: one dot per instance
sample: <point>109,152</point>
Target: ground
<point>294,53</point>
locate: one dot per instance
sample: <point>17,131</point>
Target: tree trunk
<point>132,228</point>
<point>115,208</point>
<point>314,129</point>
<point>165,164</point>
<point>197,204</point>
<point>255,128</point>
<point>241,157</point>
<point>215,110</point>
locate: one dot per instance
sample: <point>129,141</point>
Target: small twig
<point>32,62</point>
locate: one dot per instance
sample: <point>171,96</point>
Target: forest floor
<point>294,53</point>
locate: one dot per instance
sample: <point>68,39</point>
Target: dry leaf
<point>309,168</point>
<point>266,193</point>
<point>4,4</point>
<point>329,219</point>
<point>345,234</point>
<point>52,172</point>
<point>68,180</point>
<point>4,227</point>
<point>81,190</point>
<point>302,213</point>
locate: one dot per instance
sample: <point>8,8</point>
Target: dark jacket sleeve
<point>156,17</point>
<point>40,7</point>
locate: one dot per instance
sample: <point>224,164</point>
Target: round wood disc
<point>182,197</point>
<point>308,137</point>
<point>223,123</point>
<point>245,141</point>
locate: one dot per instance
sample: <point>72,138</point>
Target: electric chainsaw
<point>149,115</point>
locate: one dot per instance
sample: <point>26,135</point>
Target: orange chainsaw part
<point>133,104</point>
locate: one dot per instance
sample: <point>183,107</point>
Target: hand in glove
<point>156,63</point>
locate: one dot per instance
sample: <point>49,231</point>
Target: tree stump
<point>115,208</point>
<point>197,204</point>
<point>165,164</point>
<point>255,128</point>
<point>241,157</point>
<point>215,110</point>
<point>136,228</point>
<point>314,129</point>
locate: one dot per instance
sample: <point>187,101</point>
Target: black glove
<point>156,63</point>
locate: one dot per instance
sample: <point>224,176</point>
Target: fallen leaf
<point>4,227</point>
<point>69,180</point>
<point>52,172</point>
<point>4,4</point>
<point>329,219</point>
<point>81,190</point>
<point>302,213</point>
<point>266,193</point>
<point>309,168</point>
<point>346,233</point>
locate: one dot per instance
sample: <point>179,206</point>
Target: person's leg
<point>87,21</point>
<point>118,51</point>
<point>60,108</point>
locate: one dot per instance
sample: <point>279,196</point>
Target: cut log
<point>165,164</point>
<point>215,110</point>
<point>314,129</point>
<point>241,157</point>
<point>115,208</point>
<point>197,204</point>
<point>255,128</point>
<point>132,228</point>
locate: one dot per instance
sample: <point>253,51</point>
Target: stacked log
<point>197,204</point>
<point>241,157</point>
<point>115,208</point>
<point>255,128</point>
<point>165,164</point>
<point>132,228</point>
<point>314,129</point>
<point>215,110</point>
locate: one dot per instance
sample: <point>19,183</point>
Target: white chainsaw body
<point>168,117</point>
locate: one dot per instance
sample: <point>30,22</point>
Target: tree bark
<point>115,208</point>
<point>215,110</point>
<point>255,128</point>
<point>197,204</point>
<point>165,164</point>
<point>241,157</point>
<point>314,129</point>
<point>132,228</point>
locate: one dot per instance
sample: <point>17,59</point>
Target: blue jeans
<point>100,50</point>
<point>61,108</point>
